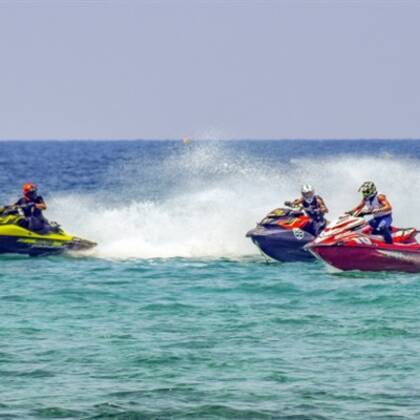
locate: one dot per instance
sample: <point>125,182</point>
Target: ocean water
<point>175,314</point>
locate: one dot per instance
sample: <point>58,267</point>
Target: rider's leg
<point>311,228</point>
<point>384,228</point>
<point>373,223</point>
<point>36,224</point>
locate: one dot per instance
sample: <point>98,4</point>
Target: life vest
<point>311,207</point>
<point>29,209</point>
<point>373,203</point>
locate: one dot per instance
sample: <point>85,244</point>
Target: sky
<point>230,69</point>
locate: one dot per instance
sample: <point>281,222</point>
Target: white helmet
<point>308,192</point>
<point>307,188</point>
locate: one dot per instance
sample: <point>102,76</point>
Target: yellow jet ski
<point>16,238</point>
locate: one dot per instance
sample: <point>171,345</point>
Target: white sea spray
<point>216,195</point>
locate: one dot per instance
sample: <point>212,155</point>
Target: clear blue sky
<point>209,69</point>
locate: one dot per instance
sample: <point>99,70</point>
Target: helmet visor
<point>308,195</point>
<point>32,192</point>
<point>367,193</point>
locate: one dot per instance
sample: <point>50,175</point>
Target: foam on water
<point>212,196</point>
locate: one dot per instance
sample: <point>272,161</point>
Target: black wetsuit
<point>34,218</point>
<point>313,209</point>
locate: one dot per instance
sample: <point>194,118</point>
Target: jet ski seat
<point>404,235</point>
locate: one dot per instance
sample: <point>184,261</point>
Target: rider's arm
<point>17,204</point>
<point>386,206</point>
<point>357,208</point>
<point>322,207</point>
<point>298,202</point>
<point>41,204</point>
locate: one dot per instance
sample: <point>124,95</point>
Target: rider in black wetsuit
<point>32,206</point>
<point>315,208</point>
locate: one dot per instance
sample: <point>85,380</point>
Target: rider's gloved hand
<point>288,203</point>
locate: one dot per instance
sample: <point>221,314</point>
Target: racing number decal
<point>299,234</point>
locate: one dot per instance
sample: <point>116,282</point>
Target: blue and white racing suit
<point>382,221</point>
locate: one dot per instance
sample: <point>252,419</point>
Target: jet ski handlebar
<point>13,209</point>
<point>6,210</point>
<point>356,214</point>
<point>296,210</point>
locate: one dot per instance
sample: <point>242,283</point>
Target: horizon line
<point>192,139</point>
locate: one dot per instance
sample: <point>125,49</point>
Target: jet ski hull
<point>282,245</point>
<point>402,258</point>
<point>18,240</point>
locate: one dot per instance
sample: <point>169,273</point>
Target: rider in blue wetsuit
<point>314,207</point>
<point>379,207</point>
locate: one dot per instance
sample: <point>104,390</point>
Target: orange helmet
<point>29,188</point>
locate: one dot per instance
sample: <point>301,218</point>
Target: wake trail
<point>206,199</point>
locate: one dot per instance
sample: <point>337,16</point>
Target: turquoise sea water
<point>175,315</point>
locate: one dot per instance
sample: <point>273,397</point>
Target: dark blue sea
<point>175,314</point>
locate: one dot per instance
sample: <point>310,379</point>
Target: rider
<point>314,206</point>
<point>377,205</point>
<point>32,206</point>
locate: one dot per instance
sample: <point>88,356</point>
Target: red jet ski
<point>348,244</point>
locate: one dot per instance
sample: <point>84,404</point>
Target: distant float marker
<point>186,140</point>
